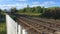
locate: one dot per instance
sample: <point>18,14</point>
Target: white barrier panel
<point>24,31</point>
<point>19,29</point>
<point>13,27</point>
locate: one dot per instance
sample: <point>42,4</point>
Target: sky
<point>19,4</point>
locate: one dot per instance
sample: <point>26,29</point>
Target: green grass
<point>2,28</point>
<point>31,14</point>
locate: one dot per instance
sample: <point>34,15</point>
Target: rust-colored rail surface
<point>38,25</point>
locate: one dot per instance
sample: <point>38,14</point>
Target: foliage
<point>13,10</point>
<point>2,28</point>
<point>50,12</point>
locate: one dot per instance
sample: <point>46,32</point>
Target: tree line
<point>50,12</point>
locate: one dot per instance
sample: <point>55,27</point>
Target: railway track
<point>39,25</point>
<point>49,20</point>
<point>40,28</point>
<point>49,24</point>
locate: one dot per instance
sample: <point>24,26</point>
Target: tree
<point>13,10</point>
<point>0,11</point>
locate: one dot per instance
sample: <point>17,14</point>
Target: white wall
<point>19,29</point>
<point>13,27</point>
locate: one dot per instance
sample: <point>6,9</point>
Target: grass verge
<point>2,28</point>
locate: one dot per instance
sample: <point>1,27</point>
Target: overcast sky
<point>6,4</point>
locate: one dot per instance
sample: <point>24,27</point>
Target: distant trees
<point>38,9</point>
<point>28,9</point>
<point>13,10</point>
<point>0,11</point>
<point>51,12</point>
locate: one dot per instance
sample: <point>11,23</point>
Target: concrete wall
<point>13,27</point>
